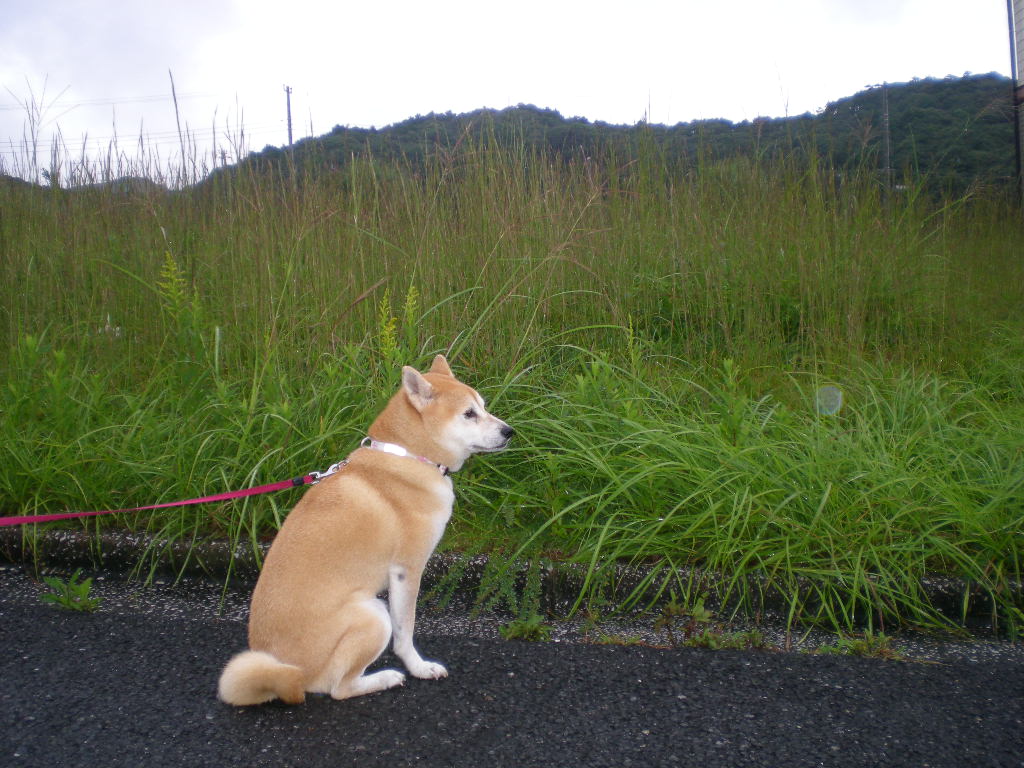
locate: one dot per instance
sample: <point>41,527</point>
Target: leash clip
<point>334,468</point>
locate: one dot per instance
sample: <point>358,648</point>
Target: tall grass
<point>844,514</point>
<point>655,333</point>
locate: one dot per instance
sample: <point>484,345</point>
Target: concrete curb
<point>468,581</point>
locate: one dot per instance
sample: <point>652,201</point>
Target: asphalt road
<point>123,687</point>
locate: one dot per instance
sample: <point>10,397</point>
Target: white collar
<point>396,450</point>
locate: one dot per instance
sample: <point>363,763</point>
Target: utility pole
<point>1015,17</point>
<point>888,137</point>
<point>288,93</point>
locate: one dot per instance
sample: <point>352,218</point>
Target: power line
<point>240,138</point>
<point>107,102</point>
<point>247,138</point>
<point>167,136</point>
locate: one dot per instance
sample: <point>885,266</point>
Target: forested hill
<point>947,132</point>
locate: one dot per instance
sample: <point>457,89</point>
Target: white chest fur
<point>446,498</point>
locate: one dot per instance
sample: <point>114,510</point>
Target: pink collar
<point>397,450</point>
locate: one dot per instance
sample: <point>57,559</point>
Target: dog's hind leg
<point>365,635</point>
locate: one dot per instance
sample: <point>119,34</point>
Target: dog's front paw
<point>428,670</point>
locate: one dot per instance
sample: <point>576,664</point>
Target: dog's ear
<point>417,389</point>
<point>441,366</point>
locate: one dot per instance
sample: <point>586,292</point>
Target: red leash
<point>310,479</point>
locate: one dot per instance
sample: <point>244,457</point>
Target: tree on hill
<point>948,133</point>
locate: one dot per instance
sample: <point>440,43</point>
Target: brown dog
<point>316,623</point>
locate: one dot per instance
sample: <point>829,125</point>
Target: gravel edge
<point>194,584</point>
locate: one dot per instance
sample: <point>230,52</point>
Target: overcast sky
<point>101,67</point>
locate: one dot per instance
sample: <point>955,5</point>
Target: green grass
<point>71,595</point>
<point>532,629</point>
<point>655,334</point>
<point>867,645</point>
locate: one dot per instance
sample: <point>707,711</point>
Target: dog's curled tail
<point>255,677</point>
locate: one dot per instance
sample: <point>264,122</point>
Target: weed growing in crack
<point>71,595</point>
<point>867,645</point>
<point>532,628</point>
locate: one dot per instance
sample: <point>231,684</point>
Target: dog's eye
<point>470,414</point>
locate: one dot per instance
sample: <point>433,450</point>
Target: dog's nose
<point>507,431</point>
